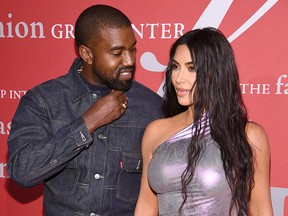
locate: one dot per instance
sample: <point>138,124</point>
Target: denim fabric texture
<point>83,173</point>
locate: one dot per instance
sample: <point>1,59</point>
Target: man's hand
<point>105,110</point>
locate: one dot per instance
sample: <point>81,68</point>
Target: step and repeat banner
<point>37,44</point>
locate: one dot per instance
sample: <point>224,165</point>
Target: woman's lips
<point>182,92</point>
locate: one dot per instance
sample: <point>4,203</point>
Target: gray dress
<point>208,192</point>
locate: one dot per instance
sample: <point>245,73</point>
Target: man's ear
<point>85,54</point>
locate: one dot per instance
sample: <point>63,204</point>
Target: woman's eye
<point>192,69</point>
<point>174,66</point>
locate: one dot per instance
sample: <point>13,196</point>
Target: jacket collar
<point>77,88</point>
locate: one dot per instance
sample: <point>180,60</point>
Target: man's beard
<point>119,85</point>
<point>115,83</point>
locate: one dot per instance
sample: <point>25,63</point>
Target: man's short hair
<point>95,18</point>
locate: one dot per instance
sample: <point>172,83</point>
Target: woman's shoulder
<point>154,134</point>
<point>160,130</point>
<point>158,126</point>
<point>257,135</point>
<point>166,124</point>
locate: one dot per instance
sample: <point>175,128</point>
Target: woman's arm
<point>260,202</point>
<point>147,204</point>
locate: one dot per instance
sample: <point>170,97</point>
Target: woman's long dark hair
<point>216,92</point>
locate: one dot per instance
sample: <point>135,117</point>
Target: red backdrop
<point>36,44</point>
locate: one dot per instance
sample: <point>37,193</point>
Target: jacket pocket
<point>66,181</point>
<point>128,182</point>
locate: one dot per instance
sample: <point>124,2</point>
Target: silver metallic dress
<point>208,192</point>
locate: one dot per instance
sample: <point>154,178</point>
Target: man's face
<point>114,57</point>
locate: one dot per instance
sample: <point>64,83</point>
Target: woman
<point>205,158</point>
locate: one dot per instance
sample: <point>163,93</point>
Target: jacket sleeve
<point>36,152</point>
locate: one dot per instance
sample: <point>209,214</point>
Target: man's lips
<point>126,73</point>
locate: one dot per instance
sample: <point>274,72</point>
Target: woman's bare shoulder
<point>257,136</point>
<point>160,130</point>
<point>157,128</point>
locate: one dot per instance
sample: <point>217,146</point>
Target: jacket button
<point>94,95</point>
<point>97,176</point>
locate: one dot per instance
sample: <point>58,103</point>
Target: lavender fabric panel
<point>208,192</point>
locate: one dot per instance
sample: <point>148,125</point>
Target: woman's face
<point>183,75</point>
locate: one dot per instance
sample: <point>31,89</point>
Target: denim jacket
<point>83,173</point>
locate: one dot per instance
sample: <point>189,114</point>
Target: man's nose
<point>129,58</point>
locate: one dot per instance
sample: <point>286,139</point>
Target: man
<point>81,133</point>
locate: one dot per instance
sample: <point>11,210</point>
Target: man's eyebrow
<point>122,47</point>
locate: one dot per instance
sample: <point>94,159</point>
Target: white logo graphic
<point>212,16</point>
